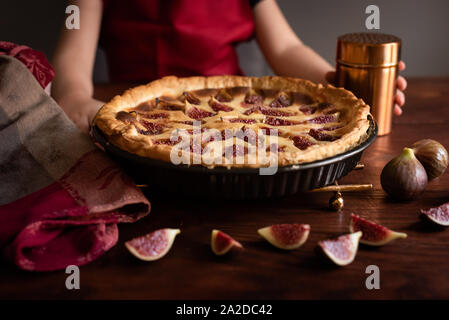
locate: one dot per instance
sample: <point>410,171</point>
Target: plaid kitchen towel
<point>34,60</point>
<point>60,197</point>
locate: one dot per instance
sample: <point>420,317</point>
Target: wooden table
<point>416,267</point>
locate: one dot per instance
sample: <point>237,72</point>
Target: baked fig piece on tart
<point>300,121</point>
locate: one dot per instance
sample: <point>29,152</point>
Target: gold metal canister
<point>367,65</point>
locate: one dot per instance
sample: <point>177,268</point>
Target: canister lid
<point>368,49</point>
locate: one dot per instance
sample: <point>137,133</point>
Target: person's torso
<point>148,39</point>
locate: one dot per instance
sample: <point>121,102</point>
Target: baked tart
<point>234,121</point>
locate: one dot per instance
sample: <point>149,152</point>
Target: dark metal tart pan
<point>236,183</point>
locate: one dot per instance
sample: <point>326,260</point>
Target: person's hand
<point>401,85</point>
<point>81,110</point>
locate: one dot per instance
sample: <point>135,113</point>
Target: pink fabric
<point>101,185</point>
<point>34,60</point>
<point>72,221</point>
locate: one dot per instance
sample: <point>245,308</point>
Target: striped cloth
<point>60,197</point>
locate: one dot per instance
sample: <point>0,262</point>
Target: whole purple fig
<point>432,155</point>
<point>404,177</point>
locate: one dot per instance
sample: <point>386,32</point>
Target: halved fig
<point>341,250</point>
<point>221,242</point>
<point>286,236</point>
<point>373,234</point>
<point>438,215</point>
<point>154,245</point>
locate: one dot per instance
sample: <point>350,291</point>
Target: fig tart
<point>235,121</point>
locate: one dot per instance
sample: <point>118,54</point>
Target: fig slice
<point>438,215</point>
<point>154,245</point>
<point>286,236</point>
<point>341,250</point>
<point>373,234</point>
<point>221,242</point>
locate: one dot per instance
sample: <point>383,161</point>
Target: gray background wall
<point>422,25</point>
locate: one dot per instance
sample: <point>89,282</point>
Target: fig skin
<point>404,177</point>
<point>433,156</point>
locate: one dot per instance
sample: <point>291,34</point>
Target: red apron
<point>148,39</point>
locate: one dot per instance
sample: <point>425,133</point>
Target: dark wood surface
<point>412,268</point>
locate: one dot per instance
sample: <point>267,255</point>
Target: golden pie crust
<point>313,121</point>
